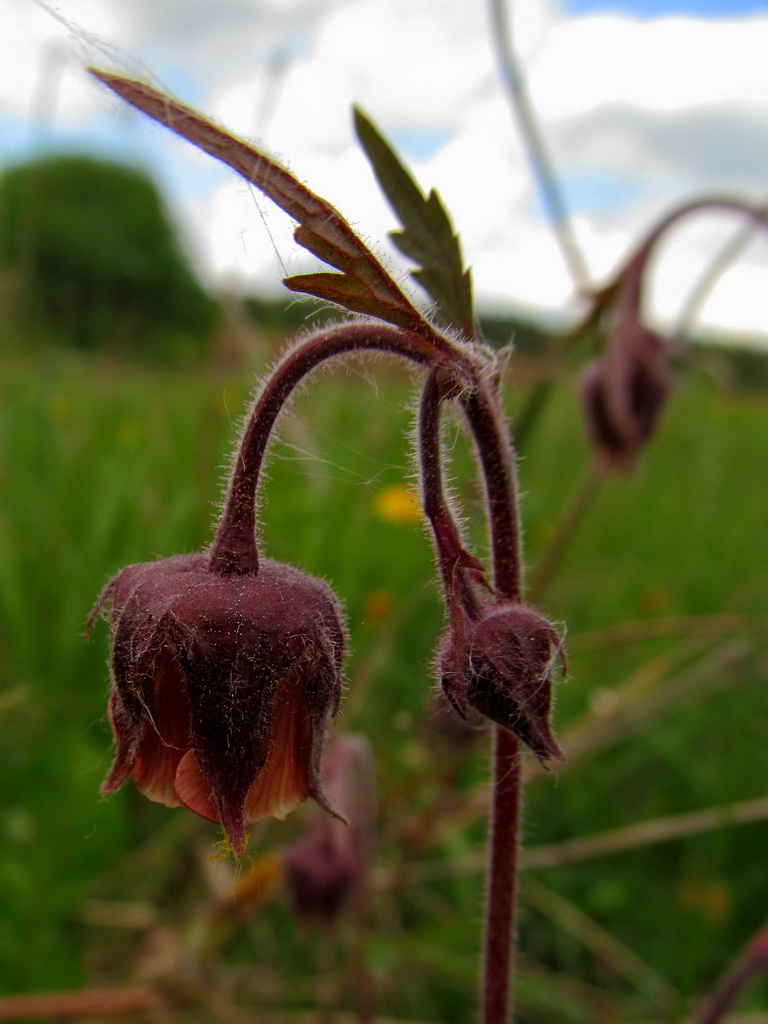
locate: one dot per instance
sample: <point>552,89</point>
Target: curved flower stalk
<point>625,390</point>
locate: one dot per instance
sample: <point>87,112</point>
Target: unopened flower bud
<point>502,667</point>
<point>323,868</point>
<point>222,686</point>
<point>624,394</point>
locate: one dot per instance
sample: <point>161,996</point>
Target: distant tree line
<point>89,257</point>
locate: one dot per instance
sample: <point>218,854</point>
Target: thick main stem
<point>501,896</point>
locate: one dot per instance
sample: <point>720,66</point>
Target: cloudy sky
<point>644,103</point>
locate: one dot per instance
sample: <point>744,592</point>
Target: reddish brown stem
<point>498,463</point>
<point>497,460</point>
<point>501,898</point>
<point>234,547</point>
<point>458,568</point>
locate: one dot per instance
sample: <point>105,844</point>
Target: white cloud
<point>40,63</point>
<point>668,65</point>
<point>637,115</point>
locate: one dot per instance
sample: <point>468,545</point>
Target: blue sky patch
<point>647,9</point>
<point>595,194</point>
<point>419,145</point>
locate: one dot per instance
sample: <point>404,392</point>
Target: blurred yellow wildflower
<point>398,505</point>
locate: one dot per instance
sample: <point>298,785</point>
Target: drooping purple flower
<point>625,390</point>
<point>222,686</point>
<point>624,393</point>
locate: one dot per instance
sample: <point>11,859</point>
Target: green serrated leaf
<point>427,237</point>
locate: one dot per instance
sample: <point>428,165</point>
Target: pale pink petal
<point>283,783</point>
<point>194,790</point>
<point>166,735</point>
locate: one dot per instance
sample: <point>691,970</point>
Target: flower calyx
<point>222,687</point>
<point>501,664</point>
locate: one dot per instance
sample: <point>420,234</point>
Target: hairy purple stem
<point>497,459</point>
<point>501,896</point>
<point>457,566</point>
<point>234,547</point>
<point>498,463</point>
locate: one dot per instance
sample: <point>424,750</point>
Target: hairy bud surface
<point>222,686</point>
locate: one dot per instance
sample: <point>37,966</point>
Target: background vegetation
<point>87,253</point>
<point>107,460</point>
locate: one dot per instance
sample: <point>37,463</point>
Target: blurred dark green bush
<point>89,258</point>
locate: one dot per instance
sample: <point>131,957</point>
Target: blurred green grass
<point>104,463</point>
